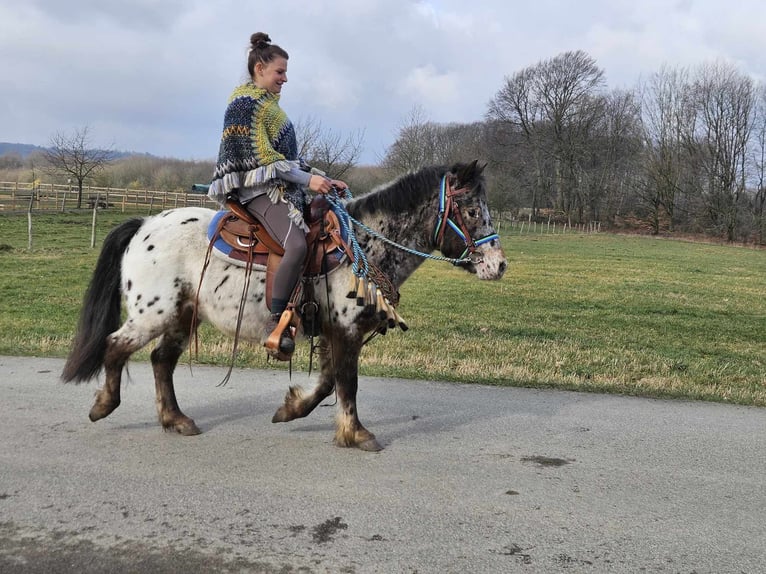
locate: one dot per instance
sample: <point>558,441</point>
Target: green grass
<point>606,313</point>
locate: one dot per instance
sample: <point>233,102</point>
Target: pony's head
<point>464,229</point>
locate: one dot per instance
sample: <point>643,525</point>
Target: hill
<point>25,150</point>
<point>22,150</point>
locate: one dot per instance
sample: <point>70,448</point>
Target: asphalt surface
<point>472,479</point>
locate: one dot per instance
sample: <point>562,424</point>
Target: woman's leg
<point>277,222</point>
<point>275,218</point>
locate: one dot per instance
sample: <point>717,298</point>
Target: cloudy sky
<point>154,75</point>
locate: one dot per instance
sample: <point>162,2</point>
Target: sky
<point>153,76</point>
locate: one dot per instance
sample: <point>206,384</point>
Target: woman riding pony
<point>258,166</point>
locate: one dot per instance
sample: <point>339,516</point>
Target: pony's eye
<point>473,213</point>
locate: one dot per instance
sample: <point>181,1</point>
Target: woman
<point>258,164</point>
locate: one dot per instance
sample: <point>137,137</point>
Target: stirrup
<point>280,344</point>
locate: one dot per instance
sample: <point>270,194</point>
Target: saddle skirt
<point>234,232</point>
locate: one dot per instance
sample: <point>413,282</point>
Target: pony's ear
<point>467,173</point>
<point>477,169</point>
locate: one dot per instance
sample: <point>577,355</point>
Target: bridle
<point>450,216</point>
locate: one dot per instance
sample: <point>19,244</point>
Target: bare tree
<point>665,117</point>
<point>517,109</point>
<point>723,100</point>
<point>759,168</point>
<point>421,142</point>
<point>72,155</point>
<point>555,106</point>
<point>567,88</point>
<point>326,149</point>
<point>415,144</point>
<point>609,144</point>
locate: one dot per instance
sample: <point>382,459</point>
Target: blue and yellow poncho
<point>258,142</point>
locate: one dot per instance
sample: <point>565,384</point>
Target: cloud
<point>154,76</point>
<point>433,89</point>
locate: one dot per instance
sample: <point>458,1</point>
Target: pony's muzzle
<point>490,264</point>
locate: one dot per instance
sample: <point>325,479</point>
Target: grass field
<point>598,312</point>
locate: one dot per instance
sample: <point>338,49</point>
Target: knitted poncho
<point>258,143</point>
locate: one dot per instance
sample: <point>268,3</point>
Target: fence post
<point>29,220</point>
<point>93,224</point>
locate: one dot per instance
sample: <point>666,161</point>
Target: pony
<point>152,266</point>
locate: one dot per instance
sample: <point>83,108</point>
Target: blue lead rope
<point>359,266</point>
<point>347,221</point>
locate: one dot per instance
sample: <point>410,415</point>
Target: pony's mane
<point>402,194</point>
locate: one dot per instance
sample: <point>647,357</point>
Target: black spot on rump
<point>147,237</point>
<point>224,280</point>
<point>150,248</point>
<point>190,220</point>
<point>129,285</point>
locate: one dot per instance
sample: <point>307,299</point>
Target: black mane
<point>402,194</point>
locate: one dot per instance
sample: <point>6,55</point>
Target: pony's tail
<point>101,306</point>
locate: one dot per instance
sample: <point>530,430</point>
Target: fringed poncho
<point>258,143</point>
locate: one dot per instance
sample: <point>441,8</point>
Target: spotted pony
<point>152,266</point>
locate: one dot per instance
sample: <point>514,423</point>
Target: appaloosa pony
<point>153,264</point>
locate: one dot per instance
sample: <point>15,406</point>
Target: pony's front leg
<point>349,431</point>
<point>164,360</point>
<point>298,403</point>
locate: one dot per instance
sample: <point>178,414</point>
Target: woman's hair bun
<point>260,40</point>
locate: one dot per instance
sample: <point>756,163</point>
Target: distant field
<point>590,312</point>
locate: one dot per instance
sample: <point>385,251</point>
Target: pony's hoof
<point>188,429</point>
<point>370,445</point>
<point>281,416</point>
<point>99,411</point>
<point>185,428</point>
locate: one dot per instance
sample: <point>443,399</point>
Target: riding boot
<point>277,335</point>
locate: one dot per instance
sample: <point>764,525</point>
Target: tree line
<point>684,151</point>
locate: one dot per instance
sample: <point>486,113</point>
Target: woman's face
<point>271,76</point>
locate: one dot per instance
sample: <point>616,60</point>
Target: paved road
<point>473,479</point>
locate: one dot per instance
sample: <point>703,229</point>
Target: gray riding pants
<point>275,218</point>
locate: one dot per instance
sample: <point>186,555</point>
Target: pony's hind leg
<point>120,345</point>
<point>165,357</point>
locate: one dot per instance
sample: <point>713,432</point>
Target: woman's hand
<point>340,185</point>
<point>321,184</point>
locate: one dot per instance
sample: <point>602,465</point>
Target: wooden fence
<point>17,196</point>
<point>55,197</point>
<point>548,228</point>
